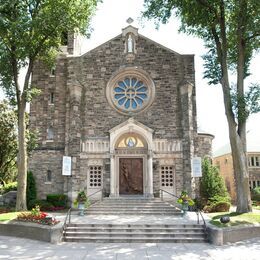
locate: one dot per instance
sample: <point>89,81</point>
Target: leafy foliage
<point>230,30</point>
<point>30,31</point>
<point>11,186</point>
<point>256,193</point>
<point>8,143</point>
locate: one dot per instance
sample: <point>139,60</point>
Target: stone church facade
<point>125,112</point>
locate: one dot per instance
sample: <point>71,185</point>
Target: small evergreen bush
<point>214,195</point>
<point>58,200</point>
<point>31,192</point>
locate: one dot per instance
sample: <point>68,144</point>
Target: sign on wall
<point>196,167</point>
<point>66,166</point>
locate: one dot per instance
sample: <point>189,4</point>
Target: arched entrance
<point>131,151</point>
<point>131,170</point>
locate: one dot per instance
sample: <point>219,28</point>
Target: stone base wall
<point>40,163</point>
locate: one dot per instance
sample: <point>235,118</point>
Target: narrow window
<point>53,71</point>
<point>51,98</point>
<point>49,176</point>
<point>50,133</point>
<point>252,161</point>
<point>257,161</point>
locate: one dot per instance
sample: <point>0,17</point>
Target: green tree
<point>8,143</point>
<point>212,184</point>
<point>31,30</point>
<point>230,30</point>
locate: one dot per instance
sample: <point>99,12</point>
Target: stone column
<point>149,192</point>
<point>112,176</point>
<point>72,141</point>
<point>186,90</point>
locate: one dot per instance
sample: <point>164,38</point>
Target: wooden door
<point>130,176</point>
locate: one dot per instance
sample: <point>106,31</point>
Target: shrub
<point>58,200</point>
<point>255,193</point>
<point>31,192</point>
<point>12,186</point>
<point>43,204</point>
<point>218,198</point>
<point>212,183</point>
<point>217,206</point>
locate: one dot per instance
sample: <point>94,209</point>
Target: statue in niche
<point>130,43</point>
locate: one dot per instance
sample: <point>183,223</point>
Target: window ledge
<point>48,182</point>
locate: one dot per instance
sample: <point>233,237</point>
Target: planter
<point>81,207</point>
<point>185,208</point>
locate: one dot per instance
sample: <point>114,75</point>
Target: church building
<point>124,113</point>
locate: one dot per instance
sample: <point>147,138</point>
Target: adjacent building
<point>223,160</point>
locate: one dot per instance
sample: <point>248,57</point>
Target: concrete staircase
<point>133,207</point>
<point>136,233</point>
<point>155,227</point>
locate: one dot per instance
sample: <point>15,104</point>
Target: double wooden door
<point>130,176</point>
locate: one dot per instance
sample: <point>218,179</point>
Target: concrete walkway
<point>19,248</point>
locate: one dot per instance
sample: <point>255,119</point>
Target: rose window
<point>130,93</point>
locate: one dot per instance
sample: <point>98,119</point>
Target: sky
<point>110,18</point>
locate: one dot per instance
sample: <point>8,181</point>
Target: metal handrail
<point>198,220</point>
<point>68,215</point>
<point>198,212</point>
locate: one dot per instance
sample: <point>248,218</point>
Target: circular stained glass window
<point>130,91</point>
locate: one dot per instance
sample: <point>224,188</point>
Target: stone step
<point>133,229</point>
<point>101,225</point>
<point>131,234</point>
<point>136,240</point>
<point>132,208</point>
<point>132,213</point>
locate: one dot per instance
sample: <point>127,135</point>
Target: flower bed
<point>37,216</point>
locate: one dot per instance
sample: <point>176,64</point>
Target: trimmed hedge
<point>58,200</point>
<point>43,204</point>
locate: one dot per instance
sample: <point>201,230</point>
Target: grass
<point>235,218</point>
<point>8,216</point>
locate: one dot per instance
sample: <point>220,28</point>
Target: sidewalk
<point>19,248</point>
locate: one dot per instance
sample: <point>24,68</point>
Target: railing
<point>68,215</point>
<point>198,212</point>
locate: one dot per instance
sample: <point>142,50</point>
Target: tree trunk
<point>22,160</point>
<point>239,151</point>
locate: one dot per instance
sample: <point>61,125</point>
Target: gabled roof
<point>139,36</point>
<point>253,146</point>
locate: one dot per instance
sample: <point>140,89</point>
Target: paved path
<point>20,248</point>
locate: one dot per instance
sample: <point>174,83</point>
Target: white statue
<point>130,43</point>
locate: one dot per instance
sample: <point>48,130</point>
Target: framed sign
<point>196,167</point>
<point>66,166</point>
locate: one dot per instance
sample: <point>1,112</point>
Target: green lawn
<point>235,218</point>
<point>8,216</point>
